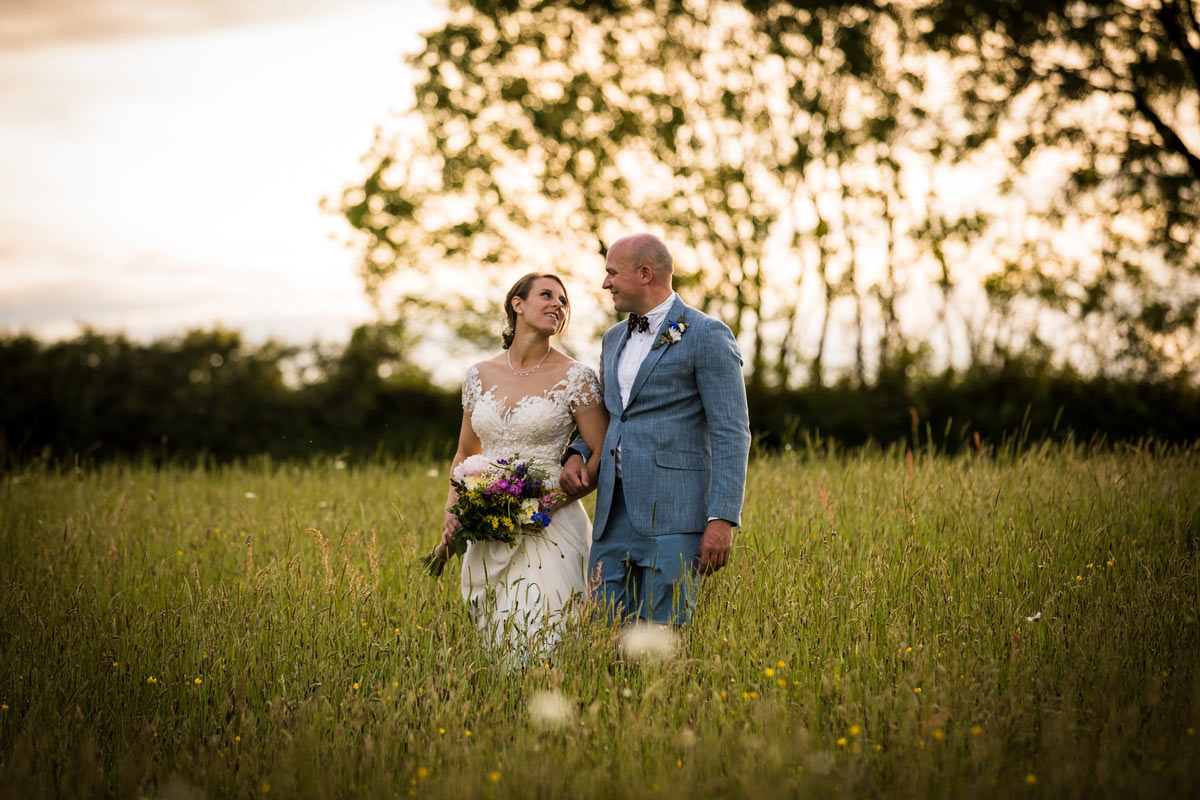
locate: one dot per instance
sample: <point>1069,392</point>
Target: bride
<point>527,401</point>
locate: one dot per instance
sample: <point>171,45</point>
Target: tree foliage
<point>796,156</point>
<point>1109,92</point>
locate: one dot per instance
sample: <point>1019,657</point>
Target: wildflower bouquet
<point>496,501</point>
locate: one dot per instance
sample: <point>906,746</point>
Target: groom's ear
<point>645,274</point>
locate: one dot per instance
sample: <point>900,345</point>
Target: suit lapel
<point>653,357</point>
<point>610,369</point>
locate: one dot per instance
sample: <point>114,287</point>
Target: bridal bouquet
<point>498,501</point>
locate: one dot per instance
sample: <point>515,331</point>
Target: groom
<point>673,471</point>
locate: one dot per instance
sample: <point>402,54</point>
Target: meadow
<point>1013,624</point>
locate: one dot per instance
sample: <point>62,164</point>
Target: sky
<point>163,162</point>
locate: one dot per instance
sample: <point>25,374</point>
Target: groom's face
<point>624,280</point>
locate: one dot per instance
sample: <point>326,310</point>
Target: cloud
<point>33,23</point>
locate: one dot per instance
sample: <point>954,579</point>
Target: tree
<point>1107,93</point>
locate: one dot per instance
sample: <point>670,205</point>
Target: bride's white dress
<point>521,595</point>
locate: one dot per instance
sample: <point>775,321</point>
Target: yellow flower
<point>197,681</point>
<point>878,747</point>
<point>4,707</point>
<point>908,649</point>
<point>495,777</point>
<point>441,731</point>
<point>1078,577</point>
<point>939,734</point>
<point>468,732</point>
<point>355,687</point>
<point>178,552</point>
<point>398,630</point>
<point>841,742</point>
<point>1090,565</point>
<point>855,730</point>
<point>679,763</point>
<point>1108,563</point>
<point>265,787</point>
<point>395,684</point>
<point>917,690</point>
<point>422,773</point>
<point>363,624</point>
<point>237,738</point>
<point>976,730</point>
<point>781,663</point>
<point>780,682</point>
<point>770,673</point>
<point>1190,731</point>
<point>151,679</point>
<point>1031,779</point>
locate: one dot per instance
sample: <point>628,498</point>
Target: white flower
<point>550,709</point>
<point>529,507</point>
<point>648,642</point>
<point>474,482</point>
<point>251,496</point>
<point>1035,617</point>
<point>432,472</point>
<point>339,464</point>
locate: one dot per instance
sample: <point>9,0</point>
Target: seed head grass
<point>890,624</point>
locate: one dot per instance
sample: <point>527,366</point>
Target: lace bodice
<point>538,426</point>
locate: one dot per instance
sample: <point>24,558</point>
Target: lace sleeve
<point>583,387</point>
<point>471,389</point>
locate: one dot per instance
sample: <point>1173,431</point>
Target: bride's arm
<point>468,445</point>
<point>592,422</point>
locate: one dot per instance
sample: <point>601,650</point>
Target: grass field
<point>181,633</point>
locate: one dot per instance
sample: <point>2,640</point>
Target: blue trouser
<point>649,577</point>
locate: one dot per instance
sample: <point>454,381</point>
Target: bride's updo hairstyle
<point>521,289</point>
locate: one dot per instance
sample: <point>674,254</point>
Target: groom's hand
<point>574,478</point>
<point>715,545</point>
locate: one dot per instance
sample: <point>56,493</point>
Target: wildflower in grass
<point>939,734</point>
<point>1078,577</point>
<point>648,642</point>
<point>364,624</point>
<point>1031,779</point>
<point>781,683</point>
<point>908,649</point>
<point>178,552</point>
<point>781,663</point>
<point>468,732</point>
<point>1089,566</point>
<point>398,630</point>
<point>550,709</point>
<point>1108,563</point>
<point>422,773</point>
<point>877,747</point>
<point>855,730</point>
<point>917,690</point>
<point>198,681</point>
<point>679,763</point>
<point>4,707</point>
<point>264,787</point>
<point>1190,731</point>
<point>355,687</point>
<point>494,777</point>
<point>237,739</point>
<point>841,742</point>
<point>251,496</point>
<point>976,730</point>
<point>441,731</point>
<point>770,673</point>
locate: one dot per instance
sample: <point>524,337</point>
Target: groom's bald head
<point>646,249</point>
<point>639,271</point>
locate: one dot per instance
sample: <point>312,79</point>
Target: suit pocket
<point>678,459</point>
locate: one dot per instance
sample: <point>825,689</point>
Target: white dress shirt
<point>635,352</point>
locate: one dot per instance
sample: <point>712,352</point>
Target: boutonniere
<point>673,333</point>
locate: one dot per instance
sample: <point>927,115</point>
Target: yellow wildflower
<point>495,777</point>
<point>197,681</point>
<point>917,690</point>
<point>355,687</point>
<point>781,663</point>
<point>422,773</point>
<point>976,730</point>
<point>939,734</point>
<point>1031,779</point>
<point>770,673</point>
<point>841,742</point>
<point>855,730</point>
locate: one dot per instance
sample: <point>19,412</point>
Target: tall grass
<point>889,625</point>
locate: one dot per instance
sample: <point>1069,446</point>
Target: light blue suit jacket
<point>685,434</point>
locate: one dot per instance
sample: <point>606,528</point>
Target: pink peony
<point>470,467</point>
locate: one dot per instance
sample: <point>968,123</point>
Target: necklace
<point>531,370</point>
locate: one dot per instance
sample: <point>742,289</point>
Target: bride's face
<point>544,309</point>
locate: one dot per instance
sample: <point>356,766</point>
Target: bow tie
<point>639,323</point>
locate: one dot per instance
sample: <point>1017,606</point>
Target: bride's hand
<point>446,547</point>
